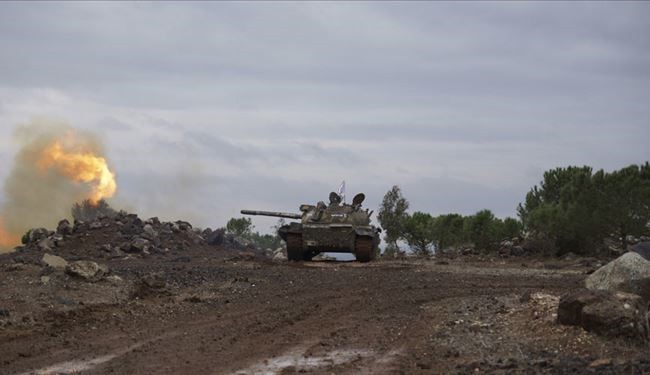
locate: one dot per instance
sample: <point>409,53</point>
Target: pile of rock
<point>511,247</point>
<point>120,234</point>
<point>616,299</point>
<point>125,235</point>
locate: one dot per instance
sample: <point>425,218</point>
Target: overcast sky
<point>207,108</point>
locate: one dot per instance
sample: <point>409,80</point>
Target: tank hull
<point>305,241</point>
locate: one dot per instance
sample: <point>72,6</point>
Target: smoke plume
<point>55,167</point>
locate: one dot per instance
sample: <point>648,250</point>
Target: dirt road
<point>221,316</point>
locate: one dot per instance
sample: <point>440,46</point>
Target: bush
<point>89,211</point>
<point>25,238</point>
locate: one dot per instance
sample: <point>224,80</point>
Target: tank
<point>333,228</point>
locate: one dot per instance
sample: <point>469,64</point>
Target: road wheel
<point>364,249</point>
<point>294,247</point>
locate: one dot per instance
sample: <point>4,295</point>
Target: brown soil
<point>219,314</point>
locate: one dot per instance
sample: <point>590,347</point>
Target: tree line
<point>573,209</point>
<point>424,232</point>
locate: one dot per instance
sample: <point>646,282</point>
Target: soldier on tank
<point>335,199</point>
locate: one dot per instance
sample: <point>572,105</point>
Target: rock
<point>150,284</point>
<point>643,249</point>
<point>64,228</point>
<point>87,270</point>
<point>628,273</point>
<point>58,240</point>
<point>622,315</point>
<point>569,256</point>
<point>184,225</point>
<point>46,244</point>
<point>196,238</point>
<point>150,232</point>
<point>37,234</point>
<point>96,225</point>
<point>517,251</point>
<point>153,221</point>
<point>54,261</point>
<point>217,237</point>
<point>13,267</point>
<point>45,280</point>
<point>138,245</point>
<point>154,280</point>
<point>569,310</point>
<point>279,256</point>
<point>604,312</point>
<point>600,362</point>
<point>114,279</point>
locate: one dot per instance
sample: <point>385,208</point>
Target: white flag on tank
<point>342,190</point>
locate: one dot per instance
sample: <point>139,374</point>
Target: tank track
<point>364,249</point>
<point>294,247</point>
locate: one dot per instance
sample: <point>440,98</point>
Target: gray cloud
<point>462,104</point>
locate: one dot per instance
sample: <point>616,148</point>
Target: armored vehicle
<point>334,228</point>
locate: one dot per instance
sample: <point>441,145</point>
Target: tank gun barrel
<point>287,215</point>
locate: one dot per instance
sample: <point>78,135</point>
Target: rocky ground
<point>181,305</point>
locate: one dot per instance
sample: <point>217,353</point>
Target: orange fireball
<point>81,166</point>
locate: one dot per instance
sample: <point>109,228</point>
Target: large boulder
<point>628,273</point>
<point>87,270</point>
<point>605,312</point>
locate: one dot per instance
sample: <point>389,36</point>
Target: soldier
<point>335,199</point>
<point>318,211</point>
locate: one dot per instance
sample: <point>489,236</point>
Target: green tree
<point>392,216</point>
<point>242,227</point>
<point>266,241</point>
<point>419,232</point>
<point>482,229</point>
<point>448,231</point>
<point>626,201</point>
<point>510,228</point>
<point>576,209</point>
